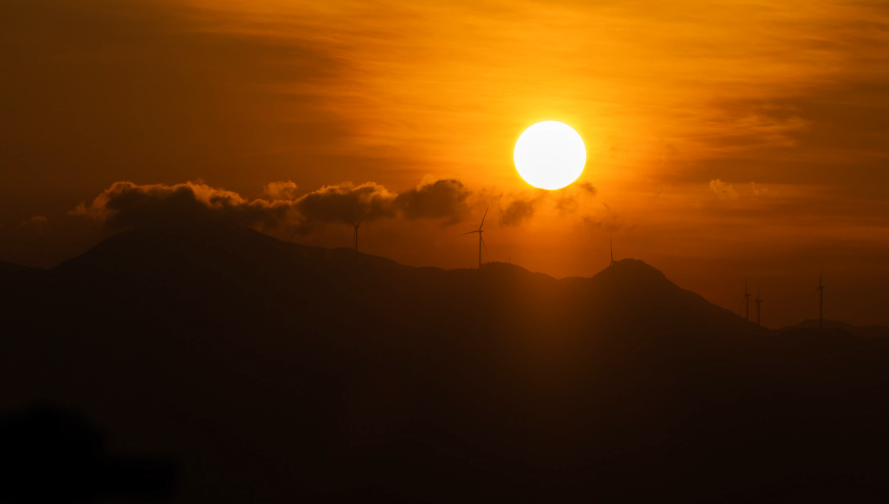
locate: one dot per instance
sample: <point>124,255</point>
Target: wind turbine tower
<point>758,302</point>
<point>356,225</point>
<point>746,301</point>
<point>611,245</point>
<point>481,241</point>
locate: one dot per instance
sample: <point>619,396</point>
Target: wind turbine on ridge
<point>481,241</point>
<point>356,225</point>
<point>611,244</point>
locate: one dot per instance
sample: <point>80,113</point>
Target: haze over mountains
<point>273,371</point>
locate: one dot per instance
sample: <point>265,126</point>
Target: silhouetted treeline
<point>278,372</point>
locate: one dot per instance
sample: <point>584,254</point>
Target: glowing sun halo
<point>550,155</point>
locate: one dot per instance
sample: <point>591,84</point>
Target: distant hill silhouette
<point>872,331</point>
<point>280,372</point>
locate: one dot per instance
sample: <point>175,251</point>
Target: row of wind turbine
<point>758,300</point>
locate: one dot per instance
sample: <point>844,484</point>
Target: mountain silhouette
<point>275,372</point>
<point>870,331</point>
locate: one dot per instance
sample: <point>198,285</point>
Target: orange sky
<point>723,139</point>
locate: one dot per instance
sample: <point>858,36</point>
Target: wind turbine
<point>820,291</point>
<point>481,241</point>
<point>758,302</point>
<point>356,225</point>
<point>611,244</point>
<point>746,301</point>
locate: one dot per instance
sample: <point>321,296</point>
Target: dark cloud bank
<point>126,204</point>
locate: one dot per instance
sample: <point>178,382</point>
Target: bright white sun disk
<point>550,155</point>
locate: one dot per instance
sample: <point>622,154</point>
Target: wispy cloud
<point>723,190</point>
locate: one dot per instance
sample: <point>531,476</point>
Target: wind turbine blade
<point>468,232</point>
<point>483,242</point>
<point>483,218</point>
<point>821,275</point>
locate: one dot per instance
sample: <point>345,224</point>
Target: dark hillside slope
<point>19,287</point>
<point>279,372</point>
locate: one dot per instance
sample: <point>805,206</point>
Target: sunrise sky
<point>723,139</point>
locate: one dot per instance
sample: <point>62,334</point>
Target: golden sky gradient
<point>723,139</point>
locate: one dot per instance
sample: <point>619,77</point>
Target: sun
<point>550,155</point>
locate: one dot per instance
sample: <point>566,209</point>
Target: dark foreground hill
<point>274,372</point>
